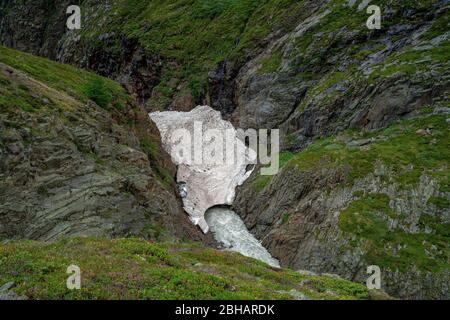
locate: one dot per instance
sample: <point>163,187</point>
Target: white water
<point>229,229</point>
<point>204,186</point>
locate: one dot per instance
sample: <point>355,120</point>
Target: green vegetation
<point>272,63</point>
<point>440,202</point>
<point>154,231</point>
<point>362,216</point>
<point>79,84</point>
<point>412,61</point>
<point>12,96</point>
<point>196,34</point>
<point>137,269</point>
<point>366,221</point>
<point>263,181</point>
<point>330,80</point>
<point>400,147</point>
<point>97,91</point>
<point>285,218</point>
<point>440,24</point>
<point>151,148</point>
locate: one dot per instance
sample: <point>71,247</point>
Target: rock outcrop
<point>69,167</point>
<point>363,196</point>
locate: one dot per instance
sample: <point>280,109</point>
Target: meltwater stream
<point>229,229</point>
<point>206,188</point>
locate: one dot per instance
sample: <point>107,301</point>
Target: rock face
<point>303,225</point>
<point>199,142</point>
<point>314,70</point>
<point>40,28</point>
<point>71,168</point>
<point>320,78</point>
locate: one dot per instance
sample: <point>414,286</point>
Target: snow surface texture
<point>203,184</point>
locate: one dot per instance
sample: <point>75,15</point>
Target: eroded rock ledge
<point>205,184</point>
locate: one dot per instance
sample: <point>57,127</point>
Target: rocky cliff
<point>79,157</point>
<point>352,194</point>
<point>363,114</point>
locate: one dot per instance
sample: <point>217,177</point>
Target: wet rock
<point>379,295</point>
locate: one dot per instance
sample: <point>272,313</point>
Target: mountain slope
<point>79,158</point>
<point>363,113</point>
<point>72,166</point>
<point>136,269</point>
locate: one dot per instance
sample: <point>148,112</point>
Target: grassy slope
<point>61,77</point>
<point>136,269</point>
<point>127,268</point>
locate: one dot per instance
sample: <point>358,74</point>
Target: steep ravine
<point>87,183</point>
<point>199,142</point>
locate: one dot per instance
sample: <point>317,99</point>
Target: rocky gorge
<point>363,116</point>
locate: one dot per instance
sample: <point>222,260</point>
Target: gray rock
<point>441,110</point>
<point>307,273</point>
<point>332,275</point>
<point>358,143</point>
<point>54,184</point>
<point>298,295</point>
<point>14,148</point>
